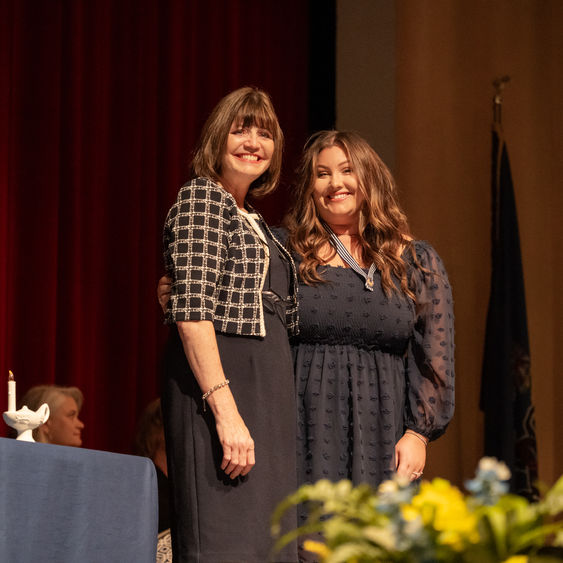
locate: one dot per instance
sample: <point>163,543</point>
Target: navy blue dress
<point>368,366</point>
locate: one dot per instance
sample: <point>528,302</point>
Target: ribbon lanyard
<point>350,260</point>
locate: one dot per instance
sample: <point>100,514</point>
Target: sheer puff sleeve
<point>430,357</point>
<point>195,248</point>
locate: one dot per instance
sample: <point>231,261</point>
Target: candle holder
<point>24,421</point>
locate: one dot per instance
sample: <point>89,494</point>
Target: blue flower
<point>490,482</point>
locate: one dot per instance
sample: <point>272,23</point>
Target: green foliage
<point>431,522</point>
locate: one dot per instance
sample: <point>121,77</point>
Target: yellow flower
<point>443,506</point>
<point>317,547</point>
<point>517,559</point>
<point>409,513</point>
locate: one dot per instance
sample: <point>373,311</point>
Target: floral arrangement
<point>428,522</point>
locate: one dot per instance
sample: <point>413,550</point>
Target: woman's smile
<point>336,189</point>
<point>247,156</point>
<point>338,196</point>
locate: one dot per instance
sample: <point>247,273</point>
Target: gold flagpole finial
<point>499,84</point>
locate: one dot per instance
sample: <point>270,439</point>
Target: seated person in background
<point>63,427</point>
<point>149,442</point>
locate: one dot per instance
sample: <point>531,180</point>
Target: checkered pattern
<point>216,261</point>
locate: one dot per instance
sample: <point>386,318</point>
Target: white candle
<point>11,392</point>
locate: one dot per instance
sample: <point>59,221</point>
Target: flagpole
<point>506,400</point>
<point>498,84</point>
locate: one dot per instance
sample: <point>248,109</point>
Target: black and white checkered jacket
<point>217,263</point>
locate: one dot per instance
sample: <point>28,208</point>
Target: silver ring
<point>417,473</point>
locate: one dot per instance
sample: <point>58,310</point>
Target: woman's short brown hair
<point>249,107</point>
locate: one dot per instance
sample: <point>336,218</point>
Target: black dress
<point>368,366</point>
<point>216,519</point>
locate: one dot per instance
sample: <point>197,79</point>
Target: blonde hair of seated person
<point>64,426</point>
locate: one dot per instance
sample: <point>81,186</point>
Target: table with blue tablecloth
<point>62,504</point>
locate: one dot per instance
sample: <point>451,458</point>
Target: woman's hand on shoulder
<point>164,291</point>
<point>410,455</point>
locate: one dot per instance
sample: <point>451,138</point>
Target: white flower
<point>388,487</point>
<point>500,468</point>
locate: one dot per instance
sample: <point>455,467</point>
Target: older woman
<point>63,427</point>
<point>374,359</point>
<point>228,402</point>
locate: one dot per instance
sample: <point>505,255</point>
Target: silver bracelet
<point>413,433</point>
<point>212,390</point>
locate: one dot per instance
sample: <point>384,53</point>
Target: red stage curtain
<point>101,104</point>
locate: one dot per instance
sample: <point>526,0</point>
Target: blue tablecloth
<point>61,504</point>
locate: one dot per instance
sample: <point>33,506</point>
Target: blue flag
<point>506,398</point>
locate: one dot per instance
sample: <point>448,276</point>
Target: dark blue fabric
<point>368,366</point>
<point>216,519</point>
<point>506,384</point>
<point>62,504</point>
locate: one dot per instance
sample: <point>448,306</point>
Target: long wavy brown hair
<point>384,231</point>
